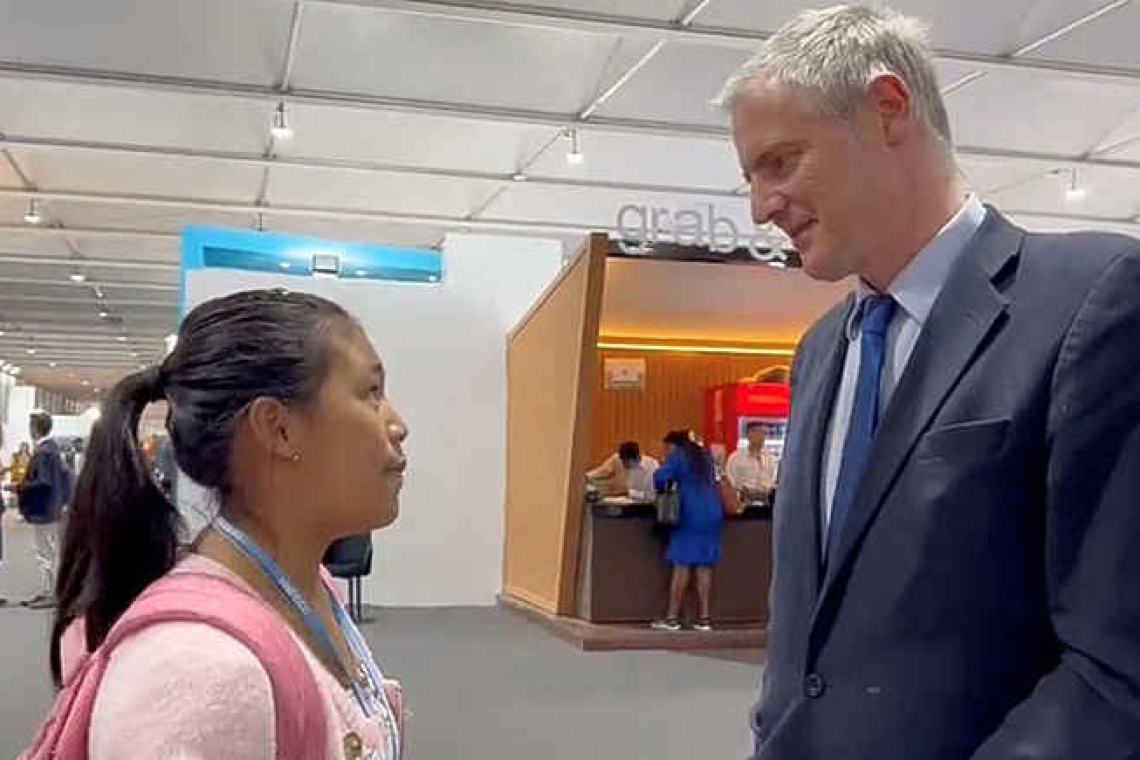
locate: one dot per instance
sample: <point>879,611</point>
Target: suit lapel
<point>817,394</point>
<point>964,315</point>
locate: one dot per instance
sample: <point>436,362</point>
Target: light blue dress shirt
<point>914,289</point>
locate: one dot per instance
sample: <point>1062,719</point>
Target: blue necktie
<point>877,313</point>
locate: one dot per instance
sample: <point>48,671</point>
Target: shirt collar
<point>917,286</point>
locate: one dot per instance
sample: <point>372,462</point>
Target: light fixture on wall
<point>1074,192</point>
<point>281,129</point>
<point>32,215</point>
<point>574,155</point>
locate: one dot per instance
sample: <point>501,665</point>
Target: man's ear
<point>274,428</point>
<point>891,108</point>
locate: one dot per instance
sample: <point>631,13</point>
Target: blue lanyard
<point>247,546</point>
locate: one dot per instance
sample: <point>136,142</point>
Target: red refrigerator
<point>730,408</point>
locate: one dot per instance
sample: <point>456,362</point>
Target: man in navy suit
<point>957,526</point>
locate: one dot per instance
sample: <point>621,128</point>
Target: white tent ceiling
<point>128,119</point>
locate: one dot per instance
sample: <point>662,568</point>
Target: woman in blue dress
<point>695,542</point>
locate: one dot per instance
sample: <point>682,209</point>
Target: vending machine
<point>729,409</point>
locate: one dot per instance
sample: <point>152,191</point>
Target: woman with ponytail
<point>277,404</point>
<point>694,545</point>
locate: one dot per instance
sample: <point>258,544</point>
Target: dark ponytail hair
<point>122,533</point>
<point>698,456</point>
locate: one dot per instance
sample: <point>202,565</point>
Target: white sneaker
<point>704,626</point>
<point>665,625</point>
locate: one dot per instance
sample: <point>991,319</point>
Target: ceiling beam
<point>9,298</point>
<point>747,40</point>
<point>448,222</point>
<point>60,282</point>
<point>1050,160</point>
<point>333,99</point>
<point>9,258</point>
<point>356,165</point>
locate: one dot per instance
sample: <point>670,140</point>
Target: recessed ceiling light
<point>53,365</point>
<point>84,383</point>
<point>519,177</point>
<point>122,339</point>
<point>78,277</point>
<point>103,315</point>
<point>31,352</point>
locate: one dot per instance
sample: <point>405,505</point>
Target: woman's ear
<point>274,429</point>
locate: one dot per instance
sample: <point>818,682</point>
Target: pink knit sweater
<point>187,690</point>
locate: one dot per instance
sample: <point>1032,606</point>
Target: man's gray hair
<point>837,52</point>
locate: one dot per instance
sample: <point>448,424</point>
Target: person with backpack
<point>240,648</point>
<point>41,497</point>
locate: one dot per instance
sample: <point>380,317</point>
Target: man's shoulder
<point>1078,257</point>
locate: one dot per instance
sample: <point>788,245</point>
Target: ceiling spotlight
<point>53,365</point>
<point>103,314</point>
<point>78,277</point>
<point>31,352</point>
<point>84,383</point>
<point>574,155</point>
<point>32,216</point>
<point>281,129</point>
<point>1074,192</point>
<point>122,339</point>
<point>519,177</point>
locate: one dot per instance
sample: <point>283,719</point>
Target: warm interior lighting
<point>696,349</point>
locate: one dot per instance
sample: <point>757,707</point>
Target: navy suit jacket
<point>984,601</point>
<point>46,488</point>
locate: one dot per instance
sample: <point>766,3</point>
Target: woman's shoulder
<point>187,687</point>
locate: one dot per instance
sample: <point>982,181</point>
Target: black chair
<point>350,559</point>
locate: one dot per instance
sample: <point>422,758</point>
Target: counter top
<point>625,510</point>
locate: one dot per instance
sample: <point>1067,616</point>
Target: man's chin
<point>820,270</point>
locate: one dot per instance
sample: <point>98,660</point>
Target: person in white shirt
<point>751,470</point>
<point>626,473</point>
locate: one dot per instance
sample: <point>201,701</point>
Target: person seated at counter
<point>694,544</point>
<point>626,473</point>
<point>750,469</point>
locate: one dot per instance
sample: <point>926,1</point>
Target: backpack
<point>300,730</point>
